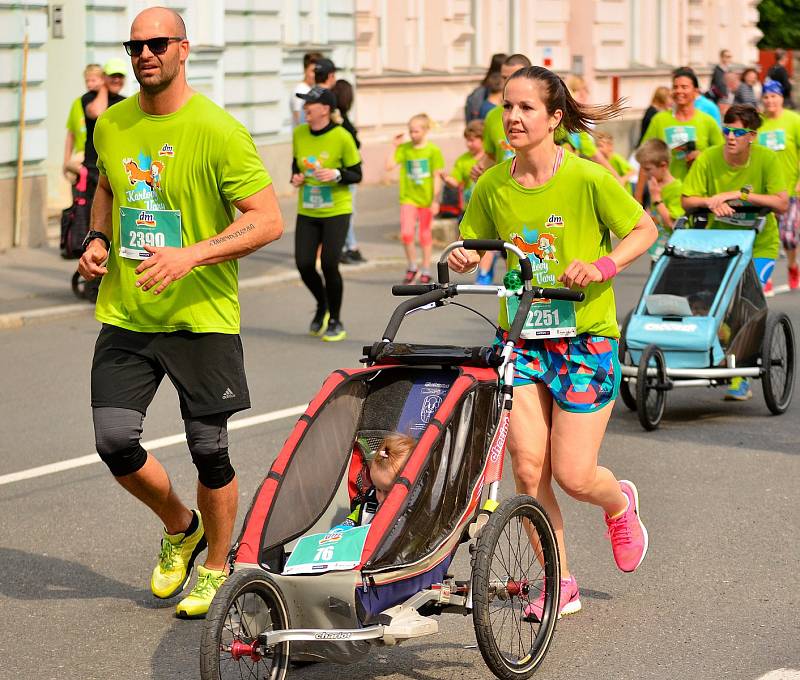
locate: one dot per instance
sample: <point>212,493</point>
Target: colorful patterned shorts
<point>582,372</point>
<point>789,224</point>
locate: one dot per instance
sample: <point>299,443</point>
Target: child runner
<point>686,130</point>
<point>780,131</point>
<point>385,467</point>
<point>605,145</point>
<point>665,191</point>
<point>565,386</point>
<point>420,185</point>
<point>740,171</point>
<point>76,125</point>
<point>325,160</point>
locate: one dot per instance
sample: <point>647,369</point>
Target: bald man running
<point>173,166</point>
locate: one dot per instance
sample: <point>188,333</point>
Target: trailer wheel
<point>651,396</point>
<point>777,360</point>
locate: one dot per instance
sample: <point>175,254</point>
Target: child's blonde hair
<point>474,129</point>
<point>653,151</point>
<point>424,118</point>
<point>93,69</point>
<point>393,452</point>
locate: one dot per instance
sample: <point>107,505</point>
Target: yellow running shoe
<point>196,604</point>
<point>176,559</point>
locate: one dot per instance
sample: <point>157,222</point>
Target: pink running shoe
<point>794,278</point>
<point>627,533</point>
<point>569,602</point>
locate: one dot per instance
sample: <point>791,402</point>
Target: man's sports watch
<point>92,235</point>
<point>744,192</point>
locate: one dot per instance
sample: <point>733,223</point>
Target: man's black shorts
<point>207,369</point>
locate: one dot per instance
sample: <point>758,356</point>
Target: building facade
<point>403,56</point>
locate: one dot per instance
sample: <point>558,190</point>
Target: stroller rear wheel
<point>777,360</point>
<point>516,568</point>
<point>247,605</point>
<point>628,397</point>
<point>651,395</point>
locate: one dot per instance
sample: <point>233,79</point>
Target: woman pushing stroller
<point>565,383</point>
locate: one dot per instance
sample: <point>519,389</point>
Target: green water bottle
<point>513,280</point>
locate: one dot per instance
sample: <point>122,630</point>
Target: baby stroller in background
<point>703,320</point>
<point>300,592</point>
<point>74,227</point>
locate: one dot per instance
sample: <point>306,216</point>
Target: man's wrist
<point>95,235</point>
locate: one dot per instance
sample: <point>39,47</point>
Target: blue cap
<point>772,86</point>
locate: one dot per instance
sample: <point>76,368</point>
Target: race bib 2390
<point>139,228</point>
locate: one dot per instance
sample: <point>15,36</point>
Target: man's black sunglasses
<point>134,48</point>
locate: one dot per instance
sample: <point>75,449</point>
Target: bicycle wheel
<point>516,559</point>
<point>651,396</point>
<point>624,386</point>
<point>777,359</point>
<point>247,605</point>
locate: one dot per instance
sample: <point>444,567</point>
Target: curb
<point>31,316</point>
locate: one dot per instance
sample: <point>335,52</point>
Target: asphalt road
<point>717,596</point>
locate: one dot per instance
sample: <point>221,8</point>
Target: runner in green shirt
<point>686,130</point>
<point>740,170</point>
<point>561,210</point>
<point>420,164</point>
<point>76,124</point>
<point>174,167</point>
<point>780,131</point>
<point>325,161</point>
<point>665,191</point>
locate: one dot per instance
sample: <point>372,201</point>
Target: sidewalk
<point>35,282</point>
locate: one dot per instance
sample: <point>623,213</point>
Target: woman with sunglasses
<point>780,131</point>
<point>740,171</point>
<point>686,130</point>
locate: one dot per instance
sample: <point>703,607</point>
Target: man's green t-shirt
<point>671,197</point>
<point>569,217</point>
<point>711,175</point>
<point>782,135</point>
<point>417,170</point>
<point>175,179</point>
<point>701,130</point>
<point>494,136</point>
<point>333,149</point>
<point>461,169</point>
<point>76,124</point>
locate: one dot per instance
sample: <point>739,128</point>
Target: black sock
<point>192,525</point>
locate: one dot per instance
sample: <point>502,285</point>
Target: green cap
<point>114,66</point>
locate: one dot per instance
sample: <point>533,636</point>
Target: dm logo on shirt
<point>151,176</point>
<point>167,150</point>
<point>554,221</point>
<point>333,536</point>
<point>146,219</point>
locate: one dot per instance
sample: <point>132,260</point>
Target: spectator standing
<point>76,124</point>
<point>749,88</point>
<point>343,91</point>
<point>661,101</point>
<point>476,98</point>
<point>295,103</point>
<point>779,72</point>
<point>732,81</point>
<point>494,85</point>
<point>718,88</point>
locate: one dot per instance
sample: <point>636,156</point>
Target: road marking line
<point>781,674</point>
<point>160,443</point>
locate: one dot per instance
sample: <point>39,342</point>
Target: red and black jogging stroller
<point>301,592</point>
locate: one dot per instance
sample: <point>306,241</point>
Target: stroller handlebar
<point>739,207</point>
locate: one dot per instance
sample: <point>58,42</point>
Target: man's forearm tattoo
<point>230,237</point>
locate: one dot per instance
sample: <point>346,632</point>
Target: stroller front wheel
<point>651,396</point>
<point>516,572</point>
<point>247,605</point>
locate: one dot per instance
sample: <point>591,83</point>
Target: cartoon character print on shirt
<point>507,149</point>
<point>145,176</point>
<point>311,163</point>
<point>541,248</point>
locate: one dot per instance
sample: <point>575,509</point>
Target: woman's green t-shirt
<point>334,149</point>
<point>711,175</point>
<point>701,130</point>
<point>569,217</point>
<point>782,135</point>
<point>418,166</point>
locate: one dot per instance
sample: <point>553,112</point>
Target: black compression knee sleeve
<point>208,443</point>
<point>117,432</point>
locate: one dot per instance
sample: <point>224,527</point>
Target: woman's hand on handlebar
<point>718,204</point>
<point>463,261</point>
<point>580,274</point>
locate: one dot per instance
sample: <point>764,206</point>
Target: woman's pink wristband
<point>607,267</point>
